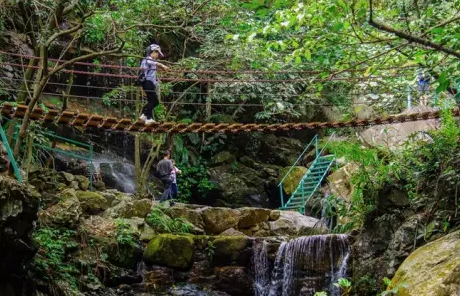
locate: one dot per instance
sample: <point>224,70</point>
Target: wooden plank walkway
<point>92,120</point>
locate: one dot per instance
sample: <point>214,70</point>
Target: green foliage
<point>392,289</point>
<point>162,223</point>
<point>344,285</point>
<point>52,261</point>
<point>431,159</point>
<point>124,234</point>
<point>194,182</point>
<point>320,294</point>
<point>376,168</point>
<point>210,250</point>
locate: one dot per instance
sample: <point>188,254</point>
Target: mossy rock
<point>433,269</point>
<point>223,157</point>
<point>66,213</point>
<point>293,179</point>
<point>252,216</point>
<point>91,201</point>
<point>232,249</point>
<point>124,256</point>
<point>141,208</point>
<point>83,182</point>
<point>217,220</point>
<point>170,250</point>
<point>190,215</point>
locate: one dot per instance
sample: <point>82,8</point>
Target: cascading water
<point>302,266</point>
<point>116,173</point>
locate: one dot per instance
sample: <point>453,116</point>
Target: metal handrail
<point>89,146</point>
<point>10,154</point>
<point>280,185</point>
<point>328,140</point>
<point>315,139</point>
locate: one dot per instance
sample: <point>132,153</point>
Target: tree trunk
<point>137,143</point>
<point>28,159</point>
<point>65,100</point>
<point>40,82</point>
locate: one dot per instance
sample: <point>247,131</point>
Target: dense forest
<point>381,218</point>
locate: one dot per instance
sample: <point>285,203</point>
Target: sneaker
<point>143,117</point>
<point>149,121</point>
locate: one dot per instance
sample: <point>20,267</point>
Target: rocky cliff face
<point>18,213</point>
<point>115,244</point>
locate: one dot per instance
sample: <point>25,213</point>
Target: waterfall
<point>302,266</point>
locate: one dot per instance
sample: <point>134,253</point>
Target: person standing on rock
<point>174,173</point>
<point>149,82</point>
<point>163,172</point>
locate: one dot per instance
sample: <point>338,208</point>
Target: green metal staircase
<point>310,182</point>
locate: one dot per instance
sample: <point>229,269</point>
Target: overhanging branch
<point>411,38</point>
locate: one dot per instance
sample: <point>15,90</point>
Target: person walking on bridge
<point>149,82</point>
<point>163,172</point>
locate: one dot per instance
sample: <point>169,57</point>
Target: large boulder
<point>217,220</point>
<point>250,217</point>
<point>395,135</point>
<point>239,185</point>
<point>141,208</point>
<point>66,213</point>
<point>232,249</point>
<point>294,223</point>
<point>191,215</point>
<point>171,251</point>
<point>340,181</point>
<point>223,157</point>
<point>433,269</point>
<point>281,151</point>
<point>292,180</point>
<point>91,201</point>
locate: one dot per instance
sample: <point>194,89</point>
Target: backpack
<point>157,174</point>
<point>140,75</point>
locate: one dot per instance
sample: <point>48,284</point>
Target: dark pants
<point>152,98</point>
<point>167,194</point>
<point>174,190</point>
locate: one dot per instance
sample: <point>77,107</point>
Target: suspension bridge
<point>310,181</point>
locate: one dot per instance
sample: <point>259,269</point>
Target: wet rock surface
<point>18,213</point>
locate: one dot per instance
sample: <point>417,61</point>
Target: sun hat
<point>153,47</point>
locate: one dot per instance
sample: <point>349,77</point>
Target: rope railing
<point>259,72</point>
<point>224,80</point>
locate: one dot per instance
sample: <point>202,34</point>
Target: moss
<point>232,249</point>
<point>170,250</point>
<point>91,200</point>
<point>431,269</point>
<point>292,181</point>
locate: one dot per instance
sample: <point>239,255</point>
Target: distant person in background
<point>174,173</point>
<point>423,86</point>
<point>163,172</point>
<point>149,82</point>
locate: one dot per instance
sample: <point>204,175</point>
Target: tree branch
<point>68,9</point>
<point>150,26</point>
<point>62,33</point>
<point>84,57</point>
<point>411,38</point>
